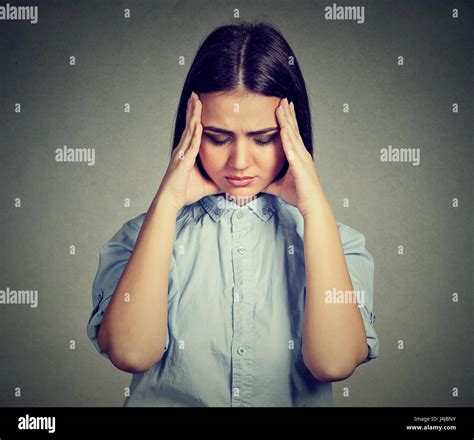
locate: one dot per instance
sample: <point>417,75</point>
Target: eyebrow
<point>250,133</point>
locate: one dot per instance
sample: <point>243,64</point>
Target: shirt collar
<point>263,205</point>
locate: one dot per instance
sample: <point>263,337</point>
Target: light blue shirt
<point>236,298</point>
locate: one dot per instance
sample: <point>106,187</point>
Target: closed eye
<point>261,141</point>
<point>217,141</point>
<point>264,141</point>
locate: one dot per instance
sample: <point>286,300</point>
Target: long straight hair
<point>254,56</point>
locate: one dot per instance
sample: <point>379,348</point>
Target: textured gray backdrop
<point>135,61</point>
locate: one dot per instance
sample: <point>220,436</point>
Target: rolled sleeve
<point>113,259</point>
<point>361,270</point>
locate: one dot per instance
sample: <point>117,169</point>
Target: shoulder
<point>125,236</point>
<point>290,218</point>
<point>132,227</point>
<point>136,222</point>
<point>352,239</point>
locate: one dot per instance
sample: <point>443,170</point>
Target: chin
<point>243,192</point>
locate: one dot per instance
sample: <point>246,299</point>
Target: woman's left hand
<point>300,185</point>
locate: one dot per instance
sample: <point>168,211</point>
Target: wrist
<point>318,212</point>
<point>318,203</point>
<point>163,202</point>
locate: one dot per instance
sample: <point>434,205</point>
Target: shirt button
<point>241,250</point>
<point>240,215</point>
<point>241,350</point>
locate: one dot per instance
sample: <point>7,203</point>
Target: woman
<point>237,287</point>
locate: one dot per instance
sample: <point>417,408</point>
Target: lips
<point>240,180</point>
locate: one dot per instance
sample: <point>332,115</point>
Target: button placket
<point>241,363</point>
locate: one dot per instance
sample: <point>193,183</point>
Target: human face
<point>239,122</point>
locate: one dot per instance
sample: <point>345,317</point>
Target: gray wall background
<point>136,61</point>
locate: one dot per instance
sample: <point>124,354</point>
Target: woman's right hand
<point>183,183</point>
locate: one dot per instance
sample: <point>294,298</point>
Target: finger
<point>189,109</point>
<point>191,149</point>
<point>180,150</point>
<point>293,134</point>
<point>195,140</point>
<point>293,113</point>
<point>296,141</point>
<point>288,148</point>
<point>189,130</point>
<point>290,151</point>
<point>189,113</point>
<point>195,143</point>
<point>287,111</point>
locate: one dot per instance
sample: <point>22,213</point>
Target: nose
<point>240,156</point>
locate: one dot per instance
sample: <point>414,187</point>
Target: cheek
<point>272,158</point>
<point>280,153</point>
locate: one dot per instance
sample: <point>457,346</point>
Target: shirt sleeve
<point>113,258</point>
<point>361,270</point>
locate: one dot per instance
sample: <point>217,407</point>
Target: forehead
<point>239,111</point>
